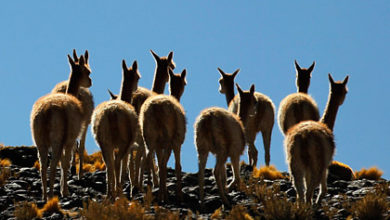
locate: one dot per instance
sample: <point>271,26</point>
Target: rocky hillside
<point>257,199</point>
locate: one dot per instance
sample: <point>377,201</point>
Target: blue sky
<point>262,38</point>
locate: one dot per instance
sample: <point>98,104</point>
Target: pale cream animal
<point>86,99</point>
<point>222,133</point>
<point>163,126</point>
<point>262,120</point>
<point>298,106</point>
<point>310,146</point>
<point>56,122</point>
<point>115,128</point>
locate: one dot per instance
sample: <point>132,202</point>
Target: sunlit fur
<point>298,106</point>
<point>256,112</point>
<point>221,133</point>
<point>56,122</point>
<point>261,121</point>
<point>115,128</point>
<point>163,126</point>
<point>86,99</point>
<point>309,147</point>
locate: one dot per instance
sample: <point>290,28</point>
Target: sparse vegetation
<point>372,173</point>
<point>51,206</point>
<point>26,211</point>
<point>341,171</point>
<point>267,172</point>
<point>5,171</point>
<point>5,163</point>
<point>374,205</point>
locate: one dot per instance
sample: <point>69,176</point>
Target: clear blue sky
<point>262,38</point>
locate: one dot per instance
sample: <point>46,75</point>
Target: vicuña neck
<point>330,112</point>
<point>159,80</point>
<point>229,94</point>
<point>73,85</point>
<point>126,91</point>
<point>303,90</point>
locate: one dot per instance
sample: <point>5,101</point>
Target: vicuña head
<point>226,84</point>
<point>303,76</point>
<point>177,82</point>
<point>161,73</point>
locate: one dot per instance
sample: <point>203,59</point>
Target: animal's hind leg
<point>176,151</point>
<point>43,157</point>
<point>57,152</point>
<point>267,145</point>
<point>236,173</point>
<point>323,187</point>
<point>202,159</point>
<point>65,163</point>
<point>252,154</point>
<point>219,168</point>
<point>297,180</point>
<point>108,160</point>
<point>81,150</point>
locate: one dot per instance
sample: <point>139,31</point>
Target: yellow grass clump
<point>51,206</point>
<point>5,163</point>
<point>341,171</point>
<point>372,173</point>
<point>372,206</point>
<point>267,172</point>
<point>5,174</point>
<point>26,211</point>
<point>37,165</point>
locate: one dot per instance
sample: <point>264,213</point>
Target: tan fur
<point>295,108</point>
<point>310,146</point>
<point>220,132</point>
<point>298,106</point>
<point>115,128</point>
<point>262,121</point>
<point>86,98</point>
<point>163,126</point>
<point>56,122</point>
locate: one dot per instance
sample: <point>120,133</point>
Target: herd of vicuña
<point>137,125</point>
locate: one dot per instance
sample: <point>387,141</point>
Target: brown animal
<point>309,147</point>
<point>56,122</point>
<point>298,106</point>
<point>163,64</point>
<point>163,126</point>
<point>220,132</point>
<point>115,128</point>
<point>86,99</point>
<point>262,119</point>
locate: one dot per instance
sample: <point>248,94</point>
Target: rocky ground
<point>25,185</point>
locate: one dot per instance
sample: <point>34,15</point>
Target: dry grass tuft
<point>164,214</point>
<point>267,172</point>
<point>51,206</point>
<point>372,173</point>
<point>5,163</point>
<point>341,171</point>
<point>239,212</point>
<point>92,162</point>
<point>372,206</point>
<point>217,214</point>
<point>121,209</point>
<point>37,165</point>
<point>277,205</point>
<point>26,210</point>
<point>5,174</point>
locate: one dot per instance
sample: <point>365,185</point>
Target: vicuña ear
<point>156,57</point>
<point>297,67</point>
<point>75,57</point>
<point>330,78</point>
<point>170,56</point>
<point>81,60</point>
<point>221,72</point>
<point>345,80</point>
<point>183,76</point>
<point>124,66</point>
<point>135,65</point>
<point>71,62</point>
<point>170,72</point>
<point>252,89</point>
<point>239,89</point>
<point>235,72</point>
<point>86,55</point>
<point>312,67</point>
<point>113,96</point>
